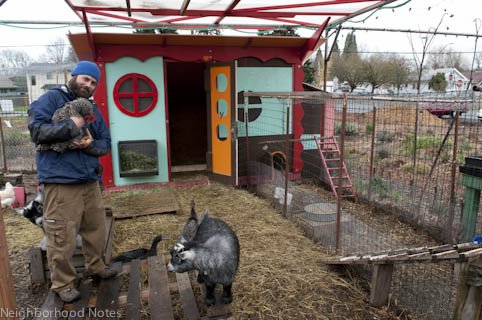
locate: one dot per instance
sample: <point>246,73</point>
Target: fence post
<point>469,294</point>
<point>7,290</point>
<point>245,110</point>
<point>450,220</point>
<point>372,153</point>
<point>339,191</point>
<point>287,167</point>
<point>4,154</point>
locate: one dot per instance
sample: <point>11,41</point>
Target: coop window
<point>138,158</point>
<point>135,94</point>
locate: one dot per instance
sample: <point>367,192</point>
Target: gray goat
<point>211,247</point>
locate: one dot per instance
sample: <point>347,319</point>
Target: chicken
<point>7,196</point>
<point>80,107</point>
<point>141,253</point>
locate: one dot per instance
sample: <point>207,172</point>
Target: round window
<point>135,94</point>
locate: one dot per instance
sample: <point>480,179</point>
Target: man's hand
<point>79,121</point>
<point>84,142</point>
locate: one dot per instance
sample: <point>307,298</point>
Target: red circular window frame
<point>135,94</point>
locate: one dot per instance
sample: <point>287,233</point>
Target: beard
<point>79,90</point>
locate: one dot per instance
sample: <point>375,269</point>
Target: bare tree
<point>55,52</point>
<point>445,57</point>
<point>11,61</point>
<point>477,29</point>
<point>349,69</point>
<point>376,70</point>
<point>399,71</point>
<point>426,43</point>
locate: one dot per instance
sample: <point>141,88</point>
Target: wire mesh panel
<point>428,289</point>
<point>17,149</point>
<point>402,154</point>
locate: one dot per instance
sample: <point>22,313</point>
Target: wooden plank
<point>160,304</point>
<point>133,293</point>
<point>187,296</point>
<point>51,308</point>
<point>451,254</point>
<point>7,289</point>
<point>472,253</point>
<point>109,234</point>
<point>219,310</point>
<point>127,204</point>
<point>37,271</point>
<point>107,296</point>
<point>79,307</point>
<point>380,284</point>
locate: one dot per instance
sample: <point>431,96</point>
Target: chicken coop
<point>174,102</point>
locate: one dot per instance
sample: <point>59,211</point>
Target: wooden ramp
<point>142,201</point>
<point>128,297</point>
<point>464,252</point>
<point>465,256</point>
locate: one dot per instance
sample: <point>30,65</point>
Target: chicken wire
<point>17,149</point>
<point>419,184</point>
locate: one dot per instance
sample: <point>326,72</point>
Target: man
<point>73,200</point>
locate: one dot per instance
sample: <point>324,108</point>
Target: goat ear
<point>187,255</point>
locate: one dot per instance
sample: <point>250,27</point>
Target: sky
<point>414,15</point>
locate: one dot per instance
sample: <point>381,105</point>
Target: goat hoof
<point>227,299</point>
<point>209,301</point>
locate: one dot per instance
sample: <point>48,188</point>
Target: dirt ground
<point>280,274</point>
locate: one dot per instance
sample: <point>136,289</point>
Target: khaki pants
<point>68,210</point>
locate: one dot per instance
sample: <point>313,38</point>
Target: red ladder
<point>330,158</point>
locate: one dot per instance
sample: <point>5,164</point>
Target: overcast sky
<point>414,15</point>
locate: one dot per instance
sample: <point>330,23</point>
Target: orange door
<point>221,114</point>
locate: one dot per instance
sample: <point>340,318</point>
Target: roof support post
<point>90,37</point>
<point>315,41</point>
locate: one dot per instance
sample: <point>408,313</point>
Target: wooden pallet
<point>106,300</point>
<point>39,269</point>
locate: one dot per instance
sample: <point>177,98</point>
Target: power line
<point>457,34</point>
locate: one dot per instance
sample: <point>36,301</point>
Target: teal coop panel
<point>137,119</point>
<point>269,116</point>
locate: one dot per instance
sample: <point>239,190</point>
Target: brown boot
<point>69,294</point>
<point>105,274</point>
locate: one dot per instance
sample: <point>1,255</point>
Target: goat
<point>34,210</point>
<point>141,253</point>
<point>211,247</point>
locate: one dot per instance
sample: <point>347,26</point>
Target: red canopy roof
<point>224,14</point>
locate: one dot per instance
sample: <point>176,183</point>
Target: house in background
<point>43,76</point>
<point>7,87</point>
<point>456,82</point>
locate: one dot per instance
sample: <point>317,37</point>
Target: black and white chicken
<point>80,107</point>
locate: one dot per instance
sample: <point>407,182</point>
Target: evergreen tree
<point>318,66</point>
<point>438,82</point>
<point>350,48</point>
<point>282,32</point>
<point>309,71</point>
<point>335,54</point>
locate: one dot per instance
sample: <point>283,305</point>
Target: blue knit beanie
<point>88,68</point>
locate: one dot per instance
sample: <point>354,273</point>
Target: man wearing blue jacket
<point>73,199</point>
